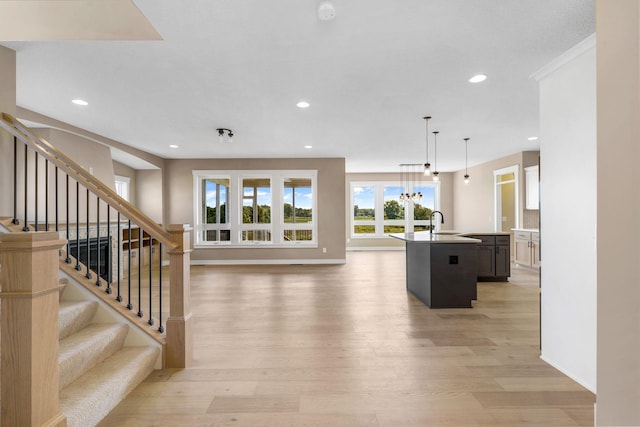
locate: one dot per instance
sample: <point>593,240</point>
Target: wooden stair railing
<point>176,239</point>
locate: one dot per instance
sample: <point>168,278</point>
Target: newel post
<point>179,335</point>
<point>30,301</point>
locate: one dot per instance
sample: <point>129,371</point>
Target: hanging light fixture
<point>408,173</point>
<point>466,160</point>
<point>224,135</point>
<point>427,165</point>
<point>435,172</point>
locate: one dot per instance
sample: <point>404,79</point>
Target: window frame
<point>125,182</point>
<point>216,226</point>
<point>234,211</point>
<point>379,222</point>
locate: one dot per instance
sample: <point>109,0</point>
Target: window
<point>393,209</point>
<point>367,198</point>
<point>215,200</point>
<point>122,186</point>
<point>297,209</point>
<point>423,209</point>
<point>364,210</point>
<point>257,208</point>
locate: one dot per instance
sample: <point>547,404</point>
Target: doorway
<point>506,199</point>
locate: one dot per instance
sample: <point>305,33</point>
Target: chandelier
<point>409,171</point>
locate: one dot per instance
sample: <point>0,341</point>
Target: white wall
<point>568,216</point>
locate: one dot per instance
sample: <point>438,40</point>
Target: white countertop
<point>426,237</point>
<point>531,230</point>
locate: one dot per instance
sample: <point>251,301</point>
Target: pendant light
<point>435,156</point>
<point>466,160</point>
<point>427,165</point>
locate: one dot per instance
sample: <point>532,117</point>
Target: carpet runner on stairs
<point>96,370</point>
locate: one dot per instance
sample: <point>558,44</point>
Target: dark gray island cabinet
<point>494,256</point>
<point>441,269</point>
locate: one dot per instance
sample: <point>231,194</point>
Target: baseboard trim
<point>570,374</point>
<point>266,261</point>
<point>375,248</point>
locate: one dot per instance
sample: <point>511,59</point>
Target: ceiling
<point>370,76</point>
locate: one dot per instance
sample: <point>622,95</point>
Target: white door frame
<point>497,195</point>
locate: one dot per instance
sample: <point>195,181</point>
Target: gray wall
<point>149,194</point>
<point>618,210</point>
<point>7,105</point>
<point>474,202</point>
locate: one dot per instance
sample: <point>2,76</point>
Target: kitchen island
<point>441,269</point>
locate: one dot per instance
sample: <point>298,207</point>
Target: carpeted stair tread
<point>92,396</point>
<point>74,316</point>
<point>88,347</point>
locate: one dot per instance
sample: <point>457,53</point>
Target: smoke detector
<point>326,11</point>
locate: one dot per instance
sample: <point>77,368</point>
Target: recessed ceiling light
<point>173,146</point>
<point>308,146</point>
<point>533,138</point>
<point>303,104</point>
<point>80,102</point>
<point>478,78</point>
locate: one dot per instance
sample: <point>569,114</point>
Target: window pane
<point>298,199</point>
<point>256,201</point>
<point>212,236</point>
<point>364,229</point>
<point>216,192</point>
<point>122,188</point>
<point>256,236</point>
<point>423,209</point>
<point>394,229</point>
<point>393,208</point>
<point>298,235</point>
<point>364,200</point>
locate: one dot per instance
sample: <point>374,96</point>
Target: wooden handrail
<point>78,173</point>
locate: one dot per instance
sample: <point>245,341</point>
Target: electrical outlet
<point>324,250</point>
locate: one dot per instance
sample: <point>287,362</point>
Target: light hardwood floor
<point>346,345</point>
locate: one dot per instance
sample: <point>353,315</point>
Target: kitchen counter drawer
<point>503,240</point>
<point>486,240</point>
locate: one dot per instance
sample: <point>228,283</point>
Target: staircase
<point>97,370</point>
<point>101,356</point>
<point>115,325</point>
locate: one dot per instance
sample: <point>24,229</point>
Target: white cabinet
<point>531,189</point>
<point>527,248</point>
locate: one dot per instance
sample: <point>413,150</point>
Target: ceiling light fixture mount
<point>224,134</point>
<point>81,102</point>
<point>303,104</point>
<point>326,11</point>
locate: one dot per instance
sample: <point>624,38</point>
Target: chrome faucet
<point>431,220</point>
